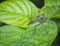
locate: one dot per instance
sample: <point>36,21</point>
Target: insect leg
<point>35,30</point>
<point>43,27</point>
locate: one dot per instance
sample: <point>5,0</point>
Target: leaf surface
<point>18,13</point>
<point>15,36</point>
<point>51,9</point>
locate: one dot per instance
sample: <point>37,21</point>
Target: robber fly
<point>39,19</point>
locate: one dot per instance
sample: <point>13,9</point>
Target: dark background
<point>40,4</point>
<point>1,1</point>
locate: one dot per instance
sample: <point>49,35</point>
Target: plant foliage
<point>17,14</point>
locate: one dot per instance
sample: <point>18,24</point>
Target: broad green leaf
<point>15,36</point>
<point>52,2</point>
<point>51,9</point>
<point>27,8</point>
<point>18,13</point>
<point>14,19</point>
<point>57,15</point>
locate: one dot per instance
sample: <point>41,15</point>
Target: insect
<point>39,19</point>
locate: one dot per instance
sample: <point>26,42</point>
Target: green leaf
<point>56,16</point>
<point>17,13</point>
<point>14,36</point>
<point>27,8</point>
<point>14,19</point>
<point>52,2</point>
<point>51,9</point>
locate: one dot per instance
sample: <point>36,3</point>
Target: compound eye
<point>40,18</point>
